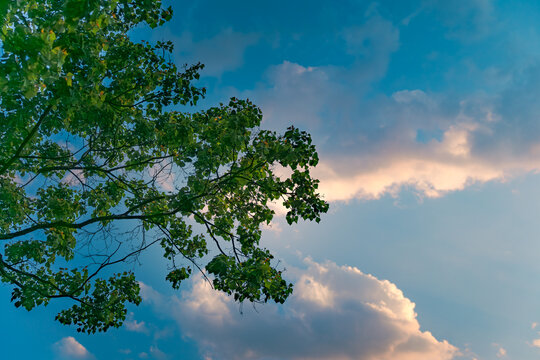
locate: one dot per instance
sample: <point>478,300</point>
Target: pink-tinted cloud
<point>370,148</point>
<point>336,312</point>
<point>69,348</point>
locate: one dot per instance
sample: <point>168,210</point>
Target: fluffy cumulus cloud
<point>69,348</point>
<point>376,145</point>
<point>324,96</point>
<point>432,144</point>
<point>370,148</point>
<point>336,312</point>
<point>373,143</point>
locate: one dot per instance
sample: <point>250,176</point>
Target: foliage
<point>97,163</point>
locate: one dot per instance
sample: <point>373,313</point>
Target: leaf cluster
<point>99,160</point>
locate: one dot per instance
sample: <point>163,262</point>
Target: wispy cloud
<point>221,53</point>
<point>157,353</point>
<point>466,20</point>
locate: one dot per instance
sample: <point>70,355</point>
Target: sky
<point>425,116</point>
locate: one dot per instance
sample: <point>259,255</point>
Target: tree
<point>93,131</point>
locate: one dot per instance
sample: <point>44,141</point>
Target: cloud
<point>69,348</point>
<point>273,226</point>
<point>501,352</point>
<point>430,143</point>
<point>465,20</point>
<point>133,325</point>
<point>157,353</point>
<point>220,53</point>
<point>535,342</point>
<point>136,326</point>
<point>373,144</point>
<point>427,176</point>
<point>164,176</point>
<point>371,44</point>
<point>336,312</point>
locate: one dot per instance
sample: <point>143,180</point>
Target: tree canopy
<point>101,159</point>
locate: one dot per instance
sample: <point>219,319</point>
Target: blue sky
<point>425,115</point>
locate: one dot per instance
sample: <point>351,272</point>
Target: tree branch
<point>26,140</point>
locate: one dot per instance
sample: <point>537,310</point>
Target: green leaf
<point>97,138</point>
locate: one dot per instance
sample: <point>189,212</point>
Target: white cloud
<point>501,352</point>
<point>311,290</point>
<point>295,94</point>
<point>371,147</point>
<point>69,348</point>
<point>472,144</point>
<point>148,293</point>
<point>336,312</point>
<point>308,95</point>
<point>274,226</point>
<point>136,326</point>
<point>202,300</point>
<point>412,96</point>
<point>429,177</point>
<point>157,353</point>
<point>368,142</point>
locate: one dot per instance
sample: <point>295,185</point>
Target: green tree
<point>92,133</point>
